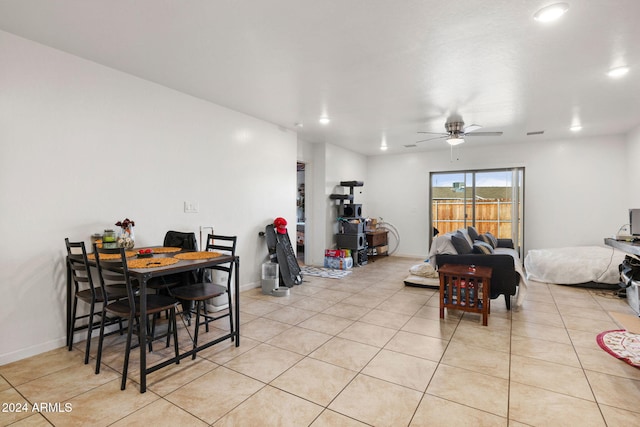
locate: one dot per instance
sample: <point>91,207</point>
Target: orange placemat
<point>164,250</point>
<point>128,254</point>
<point>150,262</point>
<point>197,255</point>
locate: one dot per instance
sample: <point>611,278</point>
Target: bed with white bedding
<point>579,265</point>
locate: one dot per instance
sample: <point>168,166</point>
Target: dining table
<point>150,271</point>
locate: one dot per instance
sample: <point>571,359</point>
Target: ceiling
<point>381,70</point>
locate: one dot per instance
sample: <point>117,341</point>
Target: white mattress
<point>574,265</point>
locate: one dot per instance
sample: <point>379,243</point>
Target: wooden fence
<point>492,215</point>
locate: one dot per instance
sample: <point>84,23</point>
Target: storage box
<point>377,238</point>
<point>338,263</point>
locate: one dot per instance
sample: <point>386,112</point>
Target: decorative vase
<point>126,238</point>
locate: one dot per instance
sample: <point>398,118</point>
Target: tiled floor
<point>364,350</point>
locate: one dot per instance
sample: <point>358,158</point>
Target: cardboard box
<point>370,224</point>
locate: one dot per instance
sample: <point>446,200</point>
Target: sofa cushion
<point>473,233</point>
<point>480,247</point>
<point>461,243</point>
<point>488,238</point>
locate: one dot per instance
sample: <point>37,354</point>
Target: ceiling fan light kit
<point>457,131</point>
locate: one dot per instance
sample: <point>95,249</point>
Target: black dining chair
<point>84,290</point>
<point>184,241</point>
<point>112,267</point>
<point>203,291</point>
<point>163,285</point>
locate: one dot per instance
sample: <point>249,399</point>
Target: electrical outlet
<point>191,207</point>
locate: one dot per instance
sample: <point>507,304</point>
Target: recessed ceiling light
<point>324,120</point>
<point>575,128</point>
<point>551,12</point>
<point>618,71</point>
<point>383,147</point>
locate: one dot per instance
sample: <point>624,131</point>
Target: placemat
<point>165,250</point>
<point>197,255</point>
<point>127,254</point>
<point>150,262</point>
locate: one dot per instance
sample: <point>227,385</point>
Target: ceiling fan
<point>457,131</point>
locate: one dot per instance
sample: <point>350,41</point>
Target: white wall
<point>574,190</point>
<point>632,194</point>
<point>83,146</point>
<point>327,165</point>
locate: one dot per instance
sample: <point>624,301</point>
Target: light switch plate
<point>191,207</point>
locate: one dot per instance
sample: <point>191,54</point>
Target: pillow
<point>488,238</point>
<point>466,235</point>
<point>460,243</point>
<point>480,247</point>
<point>473,233</point>
<point>423,270</point>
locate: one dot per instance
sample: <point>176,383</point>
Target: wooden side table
<point>466,288</point>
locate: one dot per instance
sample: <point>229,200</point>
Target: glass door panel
<point>451,195</point>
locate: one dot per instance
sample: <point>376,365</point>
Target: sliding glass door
<point>490,200</point>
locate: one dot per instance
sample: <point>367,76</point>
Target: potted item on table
<point>109,239</point>
<point>126,238</point>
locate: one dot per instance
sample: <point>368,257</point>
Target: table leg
<point>142,334</point>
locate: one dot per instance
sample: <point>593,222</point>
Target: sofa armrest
<point>505,243</point>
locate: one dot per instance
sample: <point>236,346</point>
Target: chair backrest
<point>225,245</point>
<point>112,270</point>
<point>179,239</point>
<point>79,266</point>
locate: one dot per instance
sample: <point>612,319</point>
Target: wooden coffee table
<point>466,288</point>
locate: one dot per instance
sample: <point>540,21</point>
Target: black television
<point>634,222</point>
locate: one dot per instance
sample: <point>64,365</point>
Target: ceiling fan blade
<point>433,133</point>
<point>471,128</point>
<point>483,134</point>
<point>432,139</point>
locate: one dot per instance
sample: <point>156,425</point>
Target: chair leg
<point>195,334</point>
<point>100,341</point>
<point>203,307</point>
<point>89,331</point>
<point>125,368</point>
<point>230,314</point>
<point>72,326</point>
<point>150,332</point>
<point>173,320</point>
